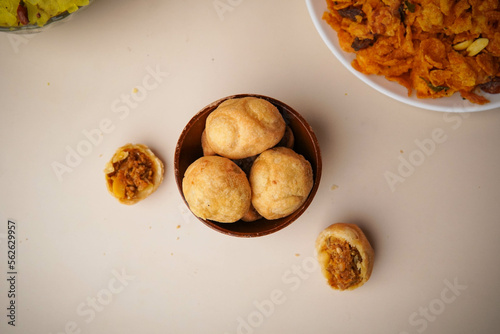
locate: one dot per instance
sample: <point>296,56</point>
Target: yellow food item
<point>433,47</point>
<point>15,13</point>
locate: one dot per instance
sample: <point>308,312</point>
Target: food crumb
<point>178,226</point>
<point>48,83</point>
<point>297,254</point>
<point>171,254</point>
<point>177,238</point>
<point>334,187</point>
<point>401,151</point>
<point>135,90</point>
<point>345,94</point>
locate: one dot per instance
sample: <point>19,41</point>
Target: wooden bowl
<point>189,149</point>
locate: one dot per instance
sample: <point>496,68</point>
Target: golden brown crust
<point>244,127</point>
<point>207,150</point>
<point>216,188</point>
<point>251,215</point>
<point>338,248</point>
<point>281,181</point>
<point>288,139</point>
<point>133,173</point>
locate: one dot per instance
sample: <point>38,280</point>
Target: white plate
<point>453,103</point>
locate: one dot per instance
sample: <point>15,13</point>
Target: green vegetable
<point>434,88</point>
<point>410,6</point>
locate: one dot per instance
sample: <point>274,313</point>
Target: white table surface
<point>423,185</point>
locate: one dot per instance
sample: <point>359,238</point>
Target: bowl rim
<point>317,168</point>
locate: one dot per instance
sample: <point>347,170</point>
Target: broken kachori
<point>133,173</point>
<point>345,256</point>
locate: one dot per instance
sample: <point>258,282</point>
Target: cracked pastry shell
<point>121,154</point>
<point>355,237</point>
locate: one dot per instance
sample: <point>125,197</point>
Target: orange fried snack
<point>433,47</point>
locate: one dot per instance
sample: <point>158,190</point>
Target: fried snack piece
<point>133,173</point>
<point>216,188</point>
<point>288,139</point>
<point>245,164</point>
<point>251,215</point>
<point>207,150</point>
<point>435,48</point>
<point>243,127</point>
<point>345,256</point>
<point>281,181</point>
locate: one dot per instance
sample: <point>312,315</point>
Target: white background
<point>87,264</point>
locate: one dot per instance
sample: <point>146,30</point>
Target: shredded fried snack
<point>15,13</point>
<point>433,47</point>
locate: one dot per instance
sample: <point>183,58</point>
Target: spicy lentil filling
<point>344,265</point>
<point>132,174</point>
